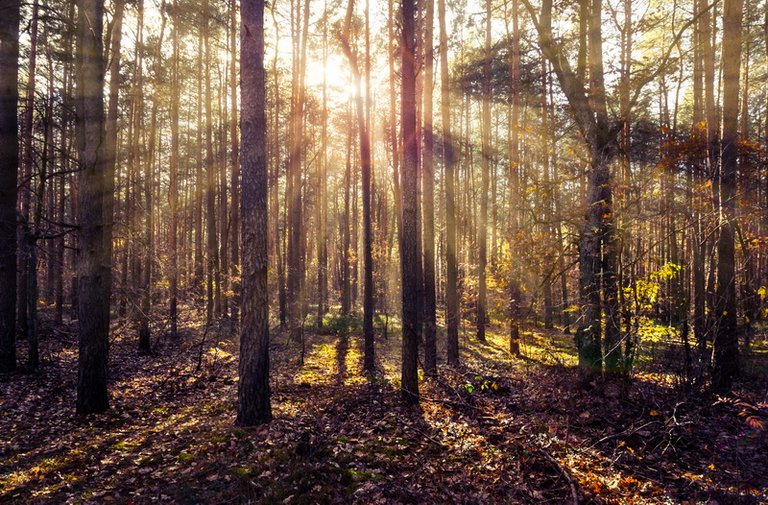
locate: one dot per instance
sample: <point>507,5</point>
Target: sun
<point>335,71</point>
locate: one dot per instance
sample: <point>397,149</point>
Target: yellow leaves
<point>628,483</point>
<point>762,292</point>
<point>693,477</point>
<point>654,413</point>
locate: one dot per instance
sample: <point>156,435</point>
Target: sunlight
<point>335,71</point>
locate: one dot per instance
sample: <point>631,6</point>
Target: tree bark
<point>253,388</point>
<point>482,225</point>
<point>449,167</point>
<point>173,183</point>
<point>409,237</point>
<point>428,199</point>
<point>726,344</point>
<point>9,166</point>
<point>93,264</point>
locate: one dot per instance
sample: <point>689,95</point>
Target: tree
<point>451,291</point>
<point>409,242</point>
<point>365,162</point>
<point>253,389</point>
<point>428,198</point>
<point>482,226</point>
<point>9,166</point>
<point>726,344</point>
<point>173,186</point>
<point>110,138</point>
<point>93,264</point>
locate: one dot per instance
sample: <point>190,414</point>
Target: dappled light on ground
<point>495,430</point>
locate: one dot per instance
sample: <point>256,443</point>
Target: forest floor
<point>495,430</point>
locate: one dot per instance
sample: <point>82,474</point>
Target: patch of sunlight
<point>319,365</point>
<point>217,353</point>
<point>655,332</point>
<point>53,466</point>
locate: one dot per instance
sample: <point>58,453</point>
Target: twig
<point>565,474</point>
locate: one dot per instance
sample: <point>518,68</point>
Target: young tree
<point>253,389</point>
<point>93,264</point>
<point>9,166</point>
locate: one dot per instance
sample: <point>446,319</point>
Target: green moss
<point>241,471</point>
<point>124,445</point>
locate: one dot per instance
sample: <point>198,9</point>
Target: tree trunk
<point>428,198</point>
<point>110,138</point>
<point>173,184</point>
<point>213,305</point>
<point>235,172</point>
<point>27,163</point>
<point>482,226</point>
<point>410,232</point>
<point>365,162</point>
<point>726,344</point>
<point>253,388</point>
<point>9,166</point>
<point>451,290</point>
<point>93,264</point>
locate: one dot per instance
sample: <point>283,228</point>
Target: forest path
<point>495,430</point>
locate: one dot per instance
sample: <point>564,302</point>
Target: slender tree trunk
<point>451,289</point>
<point>482,231</point>
<point>253,388</point>
<point>726,344</point>
<point>173,183</point>
<point>235,173</point>
<point>27,163</point>
<point>110,138</point>
<point>199,182</point>
<point>514,182</point>
<point>410,232</point>
<point>322,189</point>
<point>428,198</point>
<point>213,305</point>
<point>365,162</point>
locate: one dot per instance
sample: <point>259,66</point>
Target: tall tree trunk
<point>173,182</point>
<point>726,344</point>
<point>253,388</point>
<point>514,182</point>
<point>93,264</point>
<point>482,226</point>
<point>9,166</point>
<point>110,138</point>
<point>235,173</point>
<point>365,162</point>
<point>428,198</point>
<point>199,182</point>
<point>213,305</point>
<point>322,191</point>
<point>27,163</point>
<point>451,290</point>
<point>410,231</point>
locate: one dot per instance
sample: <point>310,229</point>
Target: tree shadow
<point>342,349</point>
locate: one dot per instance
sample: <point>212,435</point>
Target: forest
<point>394,252</point>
